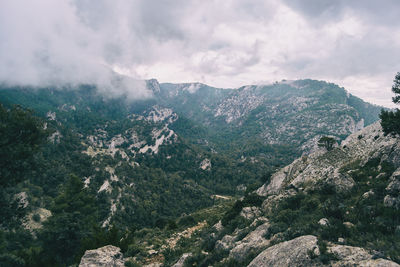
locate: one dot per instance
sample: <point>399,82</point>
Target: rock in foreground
<point>295,252</point>
<point>108,256</point>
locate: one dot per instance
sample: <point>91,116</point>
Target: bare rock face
<point>252,242</point>
<point>108,256</point>
<point>355,256</point>
<point>369,143</point>
<point>291,253</point>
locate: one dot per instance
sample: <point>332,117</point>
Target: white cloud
<point>226,43</point>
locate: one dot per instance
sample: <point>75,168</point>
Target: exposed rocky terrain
<point>255,241</point>
<point>108,256</point>
<point>153,162</point>
<point>288,112</point>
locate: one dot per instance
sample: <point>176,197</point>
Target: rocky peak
<point>153,85</point>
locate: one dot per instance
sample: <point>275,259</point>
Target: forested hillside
<point>81,169</point>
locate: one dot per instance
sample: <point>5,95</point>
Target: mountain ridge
<point>145,163</point>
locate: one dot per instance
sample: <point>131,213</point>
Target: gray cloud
<point>226,43</point>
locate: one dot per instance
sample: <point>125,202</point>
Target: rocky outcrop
<point>108,256</point>
<point>253,242</point>
<point>296,252</point>
<point>355,256</point>
<point>392,199</point>
<point>304,251</point>
<point>250,212</point>
<point>359,147</point>
<point>226,243</point>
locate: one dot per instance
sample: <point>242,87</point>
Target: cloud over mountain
<point>223,43</point>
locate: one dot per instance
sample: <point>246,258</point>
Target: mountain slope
<point>330,208</point>
<point>128,154</point>
<point>296,112</point>
<point>130,164</point>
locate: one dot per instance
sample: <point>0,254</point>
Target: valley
<point>193,169</point>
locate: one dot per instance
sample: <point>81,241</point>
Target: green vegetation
<point>138,200</point>
<point>390,120</point>
<point>362,220</point>
<point>155,193</point>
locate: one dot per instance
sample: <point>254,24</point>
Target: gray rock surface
<point>226,243</point>
<point>181,261</point>
<point>323,222</point>
<point>392,199</point>
<point>108,256</point>
<point>355,256</point>
<point>250,212</point>
<point>252,242</point>
<point>291,253</point>
<point>358,148</point>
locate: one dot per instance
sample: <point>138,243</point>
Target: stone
<point>348,253</point>
<point>226,243</point>
<point>296,252</point>
<point>323,222</point>
<point>218,226</point>
<point>348,224</point>
<point>22,199</point>
<point>250,212</point>
<point>181,261</point>
<point>252,242</point>
<point>368,194</point>
<point>355,256</point>
<point>394,184</point>
<point>391,202</point>
<point>107,256</point>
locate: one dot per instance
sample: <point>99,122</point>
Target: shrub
<point>36,217</point>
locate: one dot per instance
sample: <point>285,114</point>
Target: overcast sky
<point>223,43</point>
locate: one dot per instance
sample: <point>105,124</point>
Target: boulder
<point>355,256</point>
<point>296,252</point>
<point>108,256</point>
<point>323,222</point>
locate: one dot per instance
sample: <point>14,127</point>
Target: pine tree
<point>396,88</point>
<point>390,120</point>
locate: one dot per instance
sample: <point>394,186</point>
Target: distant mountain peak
<point>153,85</point>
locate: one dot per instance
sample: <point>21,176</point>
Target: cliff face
<point>329,167</point>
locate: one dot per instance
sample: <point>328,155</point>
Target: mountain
<point>289,112</point>
<point>124,165</point>
<point>330,208</point>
